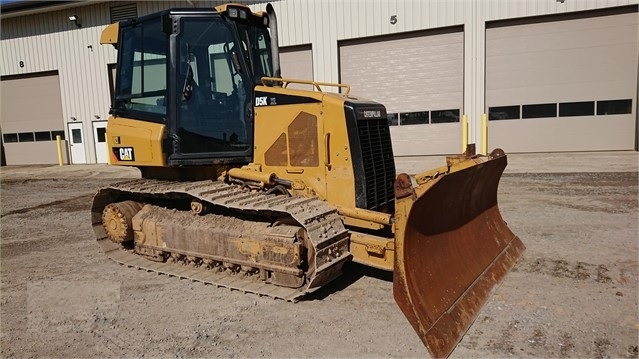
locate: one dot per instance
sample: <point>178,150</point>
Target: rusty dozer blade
<point>452,247</point>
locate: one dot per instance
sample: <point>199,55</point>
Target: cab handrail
<point>316,84</point>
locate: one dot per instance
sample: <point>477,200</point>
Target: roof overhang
<point>28,7</point>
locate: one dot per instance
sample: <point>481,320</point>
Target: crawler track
<point>323,226</point>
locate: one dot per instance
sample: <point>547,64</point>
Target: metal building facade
<point>43,40</point>
<point>35,41</point>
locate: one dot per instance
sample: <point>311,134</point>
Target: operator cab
<point>194,70</point>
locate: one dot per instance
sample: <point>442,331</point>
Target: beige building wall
<point>47,153</point>
<point>37,42</point>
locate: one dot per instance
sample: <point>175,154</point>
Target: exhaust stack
<point>275,50</point>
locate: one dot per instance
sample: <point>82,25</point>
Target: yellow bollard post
<point>464,132</point>
<point>484,134</point>
<point>58,139</point>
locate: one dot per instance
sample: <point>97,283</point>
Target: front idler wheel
<point>116,220</point>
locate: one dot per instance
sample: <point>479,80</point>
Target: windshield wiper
<point>187,89</point>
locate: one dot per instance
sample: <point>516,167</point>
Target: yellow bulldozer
<point>252,184</point>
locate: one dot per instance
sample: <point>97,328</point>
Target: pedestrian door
<point>76,142</point>
<point>99,137</point>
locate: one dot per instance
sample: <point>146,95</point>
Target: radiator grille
<point>379,164</point>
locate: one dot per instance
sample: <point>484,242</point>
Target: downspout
<point>275,50</point>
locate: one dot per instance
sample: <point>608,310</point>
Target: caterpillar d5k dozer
<point>267,189</point>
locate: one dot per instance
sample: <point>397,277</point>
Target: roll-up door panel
<point>590,61</point>
<point>297,63</point>
<point>31,103</point>
<point>31,118</point>
<point>416,75</point>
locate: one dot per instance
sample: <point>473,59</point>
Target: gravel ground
<point>574,293</point>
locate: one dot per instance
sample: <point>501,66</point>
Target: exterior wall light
<point>76,20</point>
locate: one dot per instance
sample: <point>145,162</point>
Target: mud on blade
<point>452,249</point>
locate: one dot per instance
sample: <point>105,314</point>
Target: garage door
<point>563,84</point>
<point>297,63</point>
<point>419,78</point>
<point>31,118</point>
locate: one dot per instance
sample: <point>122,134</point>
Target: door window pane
<point>393,119</point>
<point>614,107</point>
<point>101,133</point>
<point>55,134</point>
<point>10,137</point>
<point>413,118</point>
<point>444,116</point>
<point>586,108</point>
<point>43,136</point>
<point>142,69</point>
<point>213,92</point>
<point>25,137</point>
<point>503,113</point>
<point>76,135</point>
<point>539,110</point>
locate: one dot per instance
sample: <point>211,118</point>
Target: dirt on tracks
<point>573,294</point>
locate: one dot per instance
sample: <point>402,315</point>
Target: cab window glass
<point>212,90</point>
<point>142,81</point>
<point>257,44</point>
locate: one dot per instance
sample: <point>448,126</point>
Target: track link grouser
<point>222,234</point>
